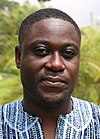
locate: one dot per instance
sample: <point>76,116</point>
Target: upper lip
<point>54,79</point>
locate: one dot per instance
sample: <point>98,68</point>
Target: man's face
<point>49,62</point>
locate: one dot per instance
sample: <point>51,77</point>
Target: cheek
<point>73,69</point>
<point>32,67</point>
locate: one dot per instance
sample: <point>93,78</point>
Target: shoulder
<point>7,110</point>
<point>86,106</point>
<point>10,106</point>
<point>7,116</point>
<point>84,103</point>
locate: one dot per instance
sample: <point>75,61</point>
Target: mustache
<point>52,76</point>
<point>48,72</point>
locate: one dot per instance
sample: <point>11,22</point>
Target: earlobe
<point>18,56</point>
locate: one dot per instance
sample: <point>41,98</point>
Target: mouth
<point>54,82</point>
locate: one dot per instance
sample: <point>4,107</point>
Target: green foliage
<point>88,85</point>
<point>11,15</point>
<point>8,5</point>
<point>10,88</point>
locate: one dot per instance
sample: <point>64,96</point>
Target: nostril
<point>55,67</point>
<point>55,63</point>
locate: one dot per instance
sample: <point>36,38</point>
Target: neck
<point>48,112</point>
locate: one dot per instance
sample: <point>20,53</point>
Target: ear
<point>18,56</point>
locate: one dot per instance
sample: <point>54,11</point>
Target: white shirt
<point>82,123</point>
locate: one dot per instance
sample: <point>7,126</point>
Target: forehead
<point>51,29</point>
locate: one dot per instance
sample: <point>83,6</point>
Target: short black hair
<point>44,14</point>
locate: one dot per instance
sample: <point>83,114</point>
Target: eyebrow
<point>35,42</point>
<point>72,43</point>
<point>47,43</point>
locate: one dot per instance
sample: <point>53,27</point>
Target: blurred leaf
<point>88,86</point>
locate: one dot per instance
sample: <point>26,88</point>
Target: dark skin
<point>49,64</point>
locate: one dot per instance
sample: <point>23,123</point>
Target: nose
<point>55,62</point>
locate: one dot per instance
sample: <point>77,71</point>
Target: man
<point>48,57</point>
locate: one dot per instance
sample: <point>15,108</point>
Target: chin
<point>52,100</point>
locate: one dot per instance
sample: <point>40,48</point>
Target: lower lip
<point>53,84</point>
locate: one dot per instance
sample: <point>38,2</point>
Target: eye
<point>68,53</point>
<point>41,51</point>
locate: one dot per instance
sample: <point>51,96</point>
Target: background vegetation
<point>11,15</point>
